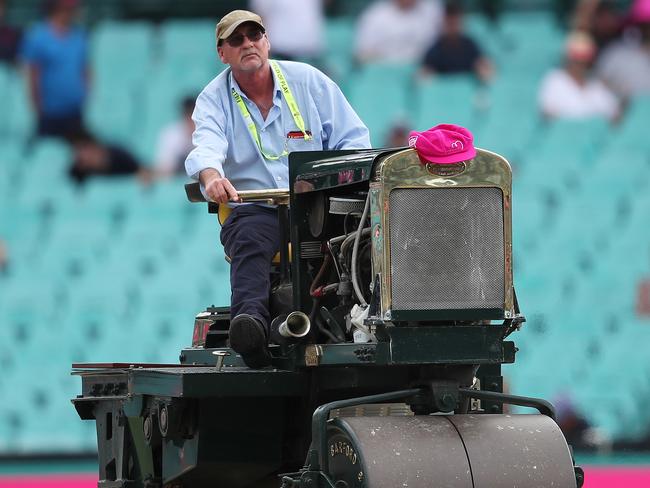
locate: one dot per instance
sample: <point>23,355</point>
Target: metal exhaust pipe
<point>296,325</point>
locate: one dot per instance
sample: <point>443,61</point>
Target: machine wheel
<point>450,451</point>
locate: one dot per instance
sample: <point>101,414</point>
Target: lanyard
<point>291,102</point>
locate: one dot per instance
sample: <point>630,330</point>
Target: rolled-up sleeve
<point>209,137</point>
<point>342,126</point>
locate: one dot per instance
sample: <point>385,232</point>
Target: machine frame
<point>182,425</point>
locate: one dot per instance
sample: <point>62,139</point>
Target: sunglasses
<point>237,40</point>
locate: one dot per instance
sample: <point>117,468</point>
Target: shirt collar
<point>277,91</point>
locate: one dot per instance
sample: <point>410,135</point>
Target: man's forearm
<point>217,188</point>
<point>207,174</point>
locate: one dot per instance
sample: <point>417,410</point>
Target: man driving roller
<point>248,119</point>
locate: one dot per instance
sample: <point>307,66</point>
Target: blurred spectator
<point>9,37</point>
<point>563,10</point>
<point>397,30</point>
<point>93,158</point>
<point>398,134</point>
<point>570,92</point>
<point>625,65</point>
<point>579,433</point>
<point>4,258</point>
<point>643,298</point>
<point>491,9</point>
<point>454,51</point>
<point>601,19</point>
<point>55,55</point>
<point>175,142</point>
<point>295,27</point>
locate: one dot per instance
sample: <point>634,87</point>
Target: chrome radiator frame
<point>404,169</point>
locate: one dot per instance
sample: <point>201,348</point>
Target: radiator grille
<point>447,249</point>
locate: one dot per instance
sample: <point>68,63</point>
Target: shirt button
<point>263,130</point>
<point>279,178</point>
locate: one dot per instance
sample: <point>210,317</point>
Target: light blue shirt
<point>61,60</point>
<point>222,140</point>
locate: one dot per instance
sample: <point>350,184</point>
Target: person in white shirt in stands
<point>295,27</point>
<point>175,143</point>
<point>571,92</point>
<point>397,31</point>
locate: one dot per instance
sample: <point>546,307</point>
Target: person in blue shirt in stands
<point>248,119</point>
<point>55,55</point>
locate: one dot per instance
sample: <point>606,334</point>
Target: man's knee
<point>251,236</point>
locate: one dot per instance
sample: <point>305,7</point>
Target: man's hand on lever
<point>217,188</point>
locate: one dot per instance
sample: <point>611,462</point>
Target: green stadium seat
<point>162,100</point>
<point>508,98</point>
<point>531,220</point>
<point>122,59</point>
<point>188,44</point>
<point>12,161</point>
<point>121,51</point>
<point>103,195</point>
<point>169,194</point>
<point>48,159</point>
<point>580,139</point>
<point>478,26</point>
<point>446,100</point>
<point>15,101</point>
<point>623,368</point>
<point>188,61</point>
<point>339,45</point>
<point>6,82</point>
<point>44,420</point>
<point>75,247</point>
<point>623,177</point>
<point>637,225</point>
<point>530,42</point>
<point>100,303</point>
<point>6,175</point>
<point>113,116</point>
<point>29,313</point>
<point>631,133</point>
<point>615,295</point>
<point>378,92</point>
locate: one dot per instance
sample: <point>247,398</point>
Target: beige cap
<point>234,19</point>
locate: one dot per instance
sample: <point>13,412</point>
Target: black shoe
<point>248,338</point>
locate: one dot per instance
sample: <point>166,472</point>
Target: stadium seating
<point>382,103</point>
<point>115,271</point>
<point>339,39</point>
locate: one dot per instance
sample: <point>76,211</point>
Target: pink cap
<point>640,11</point>
<point>443,144</point>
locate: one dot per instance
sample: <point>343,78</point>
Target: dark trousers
<point>251,237</point>
<point>59,126</point>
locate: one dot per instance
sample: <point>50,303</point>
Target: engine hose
<point>321,291</point>
<point>343,252</point>
<point>334,241</point>
<point>323,329</point>
<point>364,249</point>
<point>314,318</point>
<point>320,274</point>
<point>314,309</point>
<point>355,252</point>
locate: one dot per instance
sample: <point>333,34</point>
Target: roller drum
<point>450,451</point>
